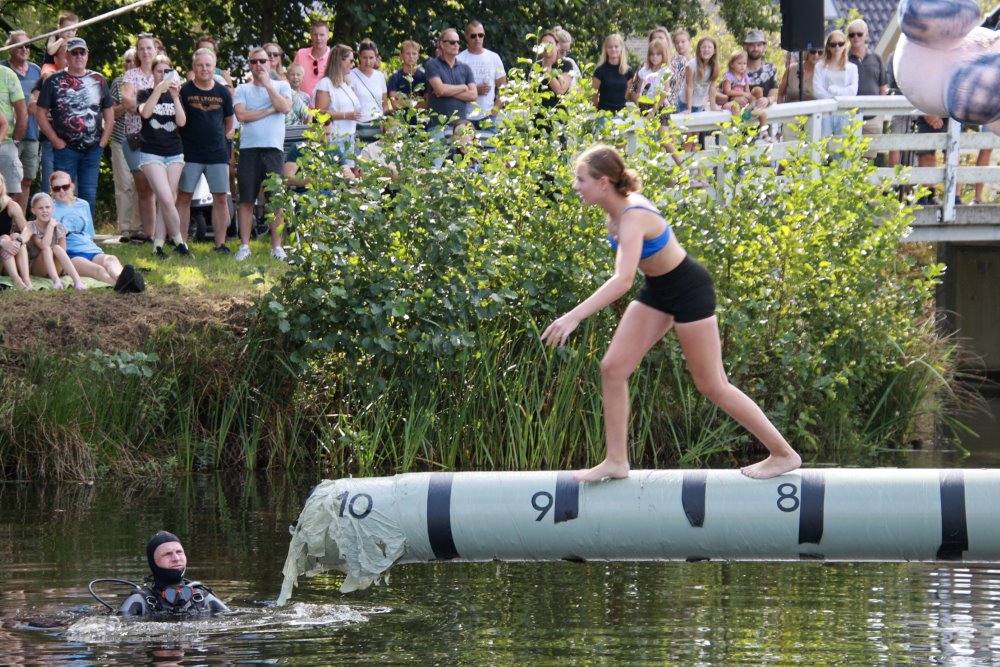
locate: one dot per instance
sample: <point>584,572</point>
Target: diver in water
<point>167,592</point>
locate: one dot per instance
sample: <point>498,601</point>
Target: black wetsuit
<point>149,601</point>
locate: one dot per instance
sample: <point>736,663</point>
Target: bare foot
<point>772,466</point>
<point>601,471</point>
<point>79,285</point>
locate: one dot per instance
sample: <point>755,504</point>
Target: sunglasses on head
<point>258,61</point>
<point>177,594</point>
<point>61,188</point>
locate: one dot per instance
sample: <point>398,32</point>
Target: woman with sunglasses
<point>167,593</point>
<point>835,76</point>
<point>275,57</point>
<point>88,258</point>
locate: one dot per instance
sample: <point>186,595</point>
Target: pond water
<point>55,539</point>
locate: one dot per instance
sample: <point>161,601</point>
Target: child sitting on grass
<point>48,244</point>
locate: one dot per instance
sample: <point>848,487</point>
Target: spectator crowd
<point>172,132</point>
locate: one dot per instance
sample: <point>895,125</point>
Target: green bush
<point>415,305</point>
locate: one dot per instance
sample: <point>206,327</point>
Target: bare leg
<point>639,329</point>
<point>703,352</point>
<point>91,270</point>
<point>45,265</point>
<point>59,253</point>
<point>984,158</point>
<point>220,217</point>
<point>10,268</point>
<point>147,204</point>
<point>23,268</point>
<point>163,181</point>
<point>184,212</point>
<point>245,219</point>
<point>111,264</point>
<point>277,227</point>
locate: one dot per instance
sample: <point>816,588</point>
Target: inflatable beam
<point>364,526</point>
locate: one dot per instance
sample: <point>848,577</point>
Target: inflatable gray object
<point>364,526</point>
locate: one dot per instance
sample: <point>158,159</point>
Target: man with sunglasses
<point>872,77</point>
<point>313,58</point>
<point>488,72</point>
<point>260,106</point>
<point>166,593</point>
<point>28,152</point>
<point>82,119</point>
<point>451,84</point>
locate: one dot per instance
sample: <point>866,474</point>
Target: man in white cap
<point>760,73</point>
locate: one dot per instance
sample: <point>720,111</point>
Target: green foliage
<point>192,401</point>
<point>820,307</point>
<point>417,303</point>
<point>741,16</point>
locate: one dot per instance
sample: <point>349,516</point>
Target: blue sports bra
<point>649,246</point>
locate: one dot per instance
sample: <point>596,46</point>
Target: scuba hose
<point>90,587</point>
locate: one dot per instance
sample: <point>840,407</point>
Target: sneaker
<point>243,253</point>
<point>158,252</point>
<point>279,253</point>
<point>182,250</point>
<point>223,250</point>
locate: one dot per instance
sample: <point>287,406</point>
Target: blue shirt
<point>79,227</point>
<point>28,82</point>
<point>450,107</point>
<point>267,132</point>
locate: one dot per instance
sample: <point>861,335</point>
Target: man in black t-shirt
<point>82,119</point>
<point>209,108</point>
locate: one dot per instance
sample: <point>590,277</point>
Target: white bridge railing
<point>953,143</point>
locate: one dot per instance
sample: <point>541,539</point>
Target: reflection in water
<point>56,539</point>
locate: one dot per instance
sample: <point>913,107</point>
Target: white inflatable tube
<point>364,526</point>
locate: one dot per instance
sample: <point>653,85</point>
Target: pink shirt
<point>315,69</point>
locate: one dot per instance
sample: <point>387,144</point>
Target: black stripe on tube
<point>954,529</point>
<point>439,516</point>
<point>567,502</point>
<point>811,511</point>
<point>693,496</point>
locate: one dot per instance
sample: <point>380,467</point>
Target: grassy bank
<point>100,383</point>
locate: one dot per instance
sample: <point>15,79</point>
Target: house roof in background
<point>878,14</point>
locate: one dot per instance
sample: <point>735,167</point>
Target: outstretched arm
<point>626,263</point>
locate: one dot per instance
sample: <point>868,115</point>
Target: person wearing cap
<point>82,118</point>
<point>762,74</point>
<point>166,592</point>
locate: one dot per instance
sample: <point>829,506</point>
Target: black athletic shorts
<point>687,292</point>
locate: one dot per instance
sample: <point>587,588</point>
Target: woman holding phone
<point>161,153</point>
